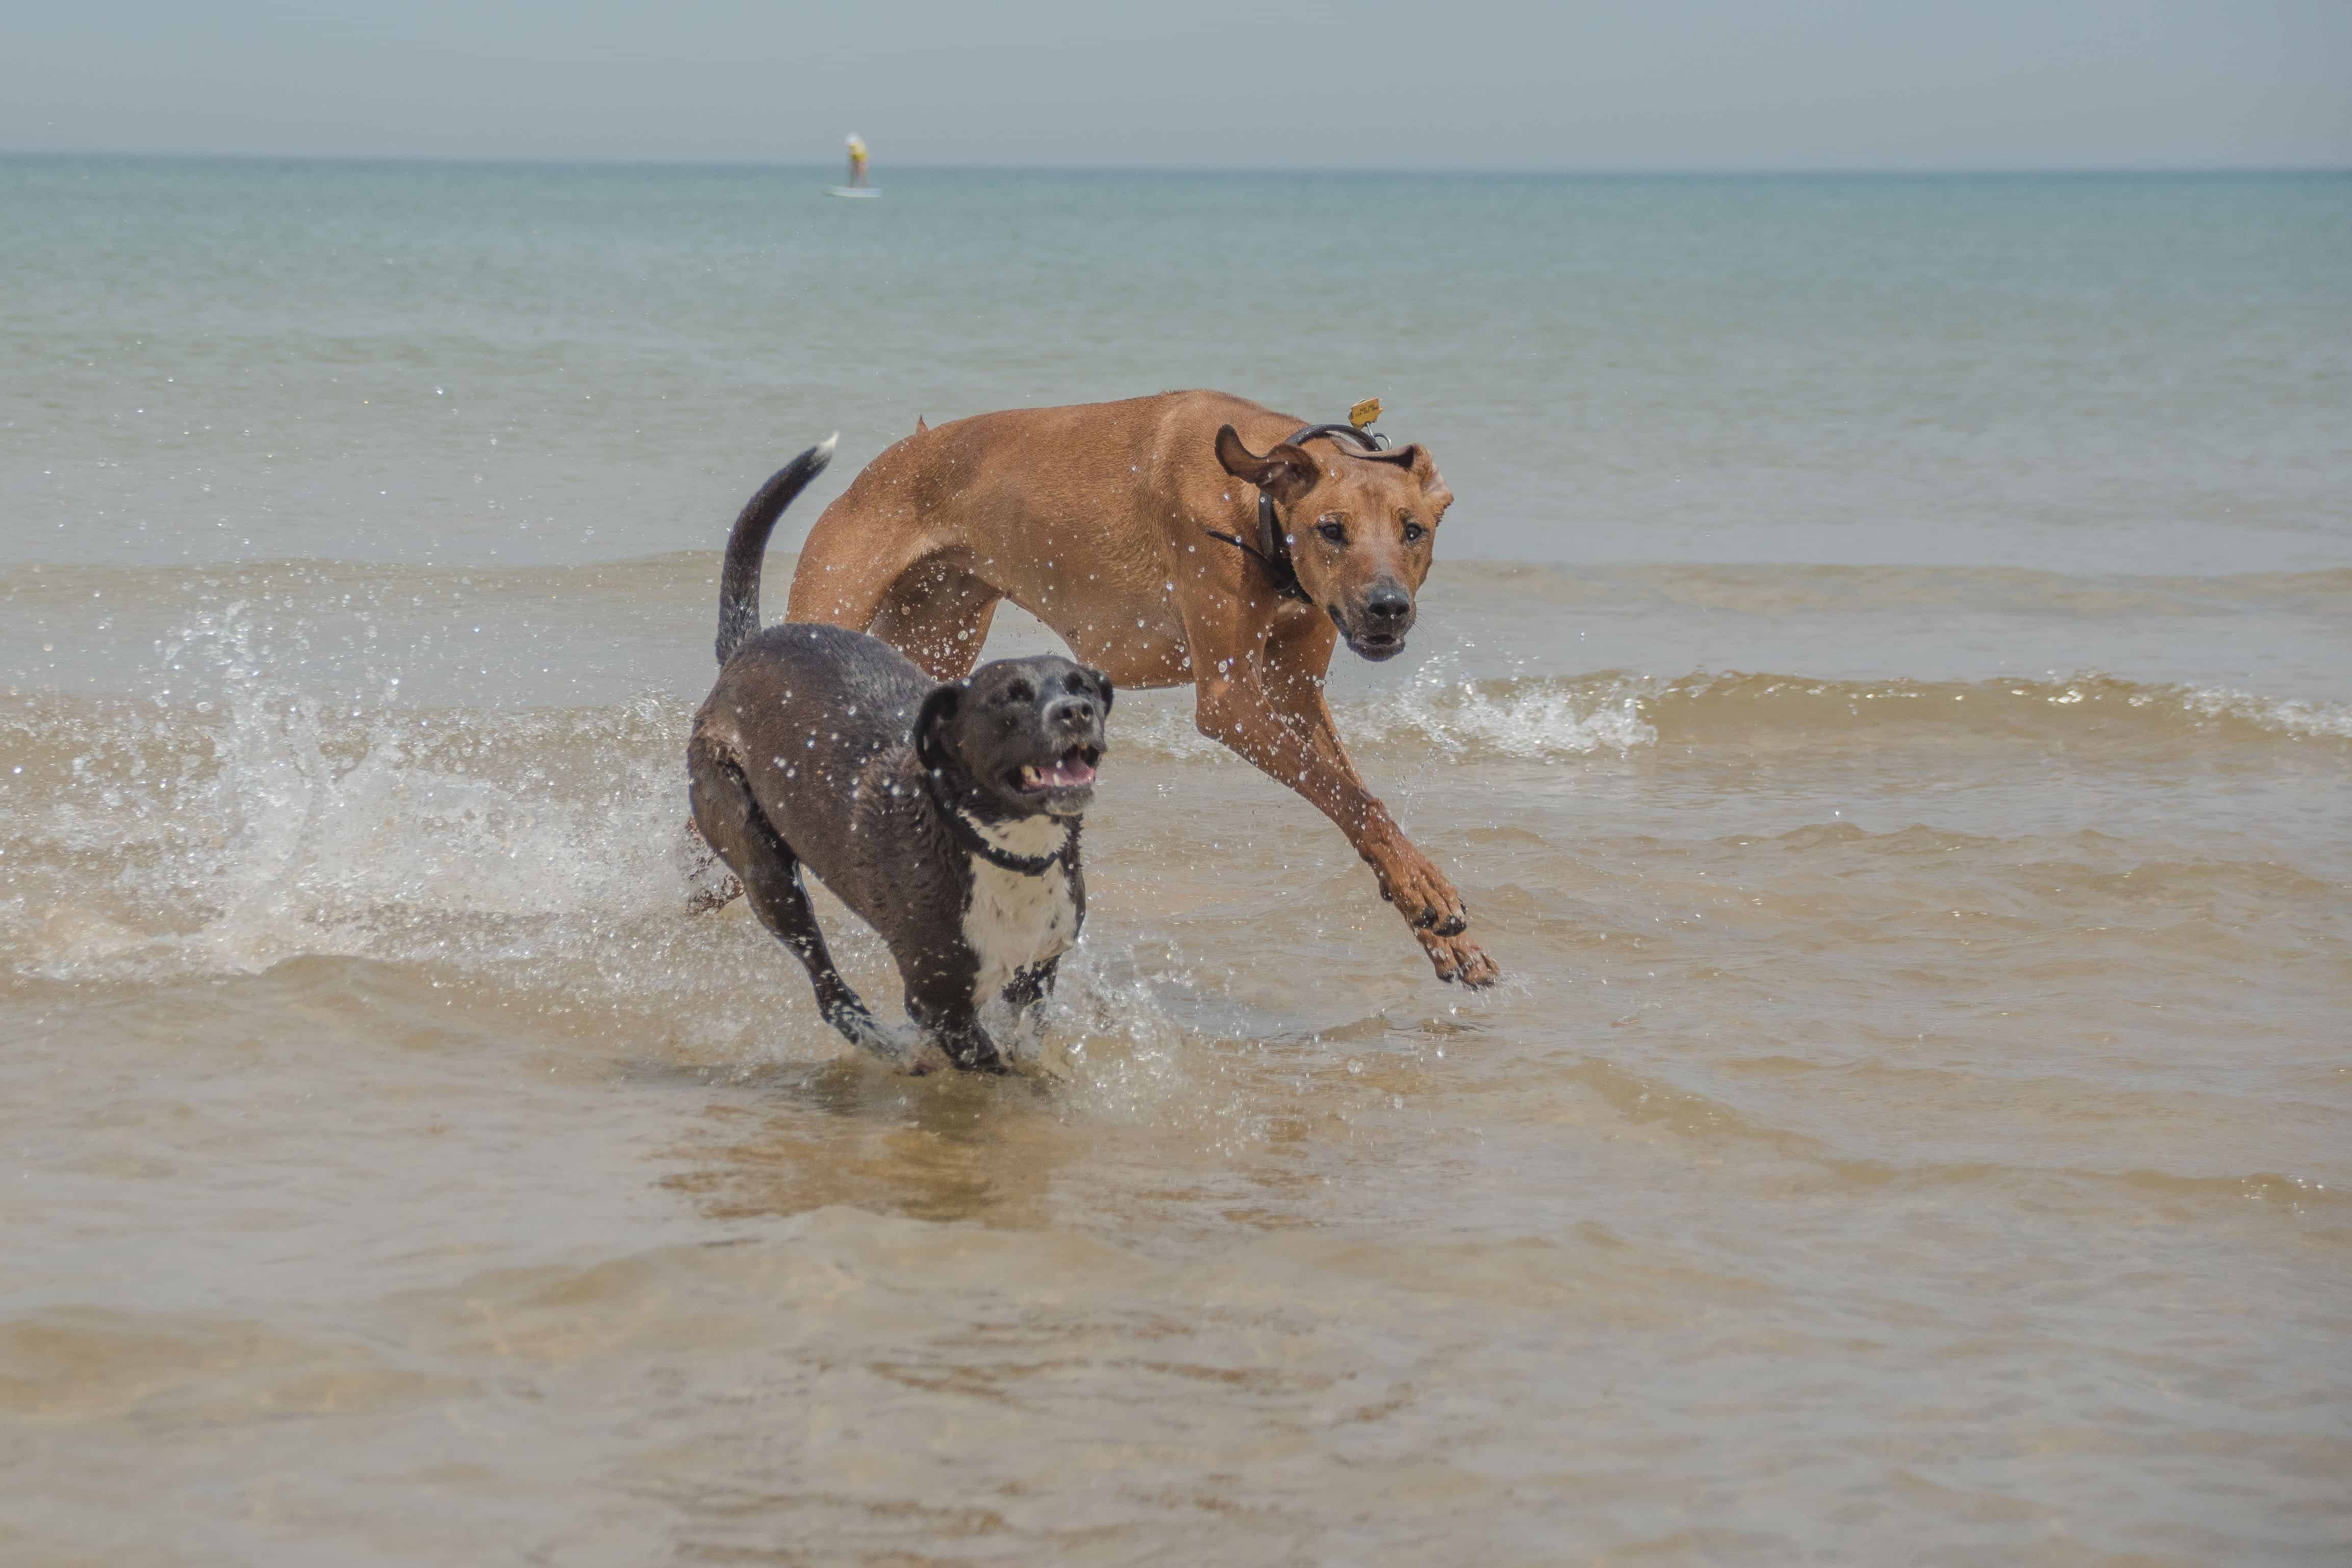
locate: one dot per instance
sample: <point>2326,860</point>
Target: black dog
<point>947,816</point>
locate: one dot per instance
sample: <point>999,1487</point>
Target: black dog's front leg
<point>1032,985</point>
<point>1025,996</point>
<point>939,997</point>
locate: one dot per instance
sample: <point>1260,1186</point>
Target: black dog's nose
<point>1072,713</point>
<point>1388,606</point>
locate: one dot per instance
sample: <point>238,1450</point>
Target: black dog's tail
<point>747,546</point>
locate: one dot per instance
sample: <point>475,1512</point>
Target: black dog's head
<point>1024,733</point>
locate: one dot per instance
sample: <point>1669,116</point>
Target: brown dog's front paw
<point>1458,959</point>
<point>1424,896</point>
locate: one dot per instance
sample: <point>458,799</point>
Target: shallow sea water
<point>1913,1126</point>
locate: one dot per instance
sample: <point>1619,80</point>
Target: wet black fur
<point>812,750</point>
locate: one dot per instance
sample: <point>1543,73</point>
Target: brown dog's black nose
<point>1387,604</point>
<point>1073,713</point>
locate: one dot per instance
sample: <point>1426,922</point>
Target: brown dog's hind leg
<point>731,820</point>
<point>934,611</point>
<point>852,562</point>
<point>938,615</point>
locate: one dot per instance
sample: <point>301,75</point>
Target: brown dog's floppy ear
<point>1416,460</point>
<point>1413,460</point>
<point>1286,473</point>
<point>939,708</point>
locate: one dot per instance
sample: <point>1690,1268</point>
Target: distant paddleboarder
<point>857,186</point>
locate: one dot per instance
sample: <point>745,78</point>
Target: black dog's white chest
<point>1013,920</point>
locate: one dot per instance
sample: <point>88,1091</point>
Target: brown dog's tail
<point>747,546</point>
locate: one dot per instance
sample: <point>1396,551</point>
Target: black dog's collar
<point>962,830</point>
<point>1273,548</point>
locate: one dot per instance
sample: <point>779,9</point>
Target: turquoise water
<point>220,360</point>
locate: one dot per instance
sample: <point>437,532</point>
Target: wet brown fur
<point>1092,518</point>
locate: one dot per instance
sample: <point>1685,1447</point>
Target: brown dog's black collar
<point>1273,548</point>
<point>970,837</point>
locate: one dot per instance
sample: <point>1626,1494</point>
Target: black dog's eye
<point>1333,529</point>
<point>1020,692</point>
<point>1076,683</point>
<point>1414,531</point>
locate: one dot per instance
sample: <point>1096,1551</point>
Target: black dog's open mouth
<point>1076,770</point>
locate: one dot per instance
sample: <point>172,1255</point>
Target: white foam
<point>531,854</point>
<point>257,822</point>
<point>1524,717</point>
<point>2331,720</point>
<point>1530,717</point>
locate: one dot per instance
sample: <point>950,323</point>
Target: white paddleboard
<point>868,192</point>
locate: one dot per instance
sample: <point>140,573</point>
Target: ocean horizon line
<point>920,167</point>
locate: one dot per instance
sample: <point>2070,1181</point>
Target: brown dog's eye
<point>1414,531</point>
<point>1337,532</point>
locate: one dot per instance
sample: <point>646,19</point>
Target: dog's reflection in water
<point>962,1147</point>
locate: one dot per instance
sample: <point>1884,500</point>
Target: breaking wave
<point>1540,717</point>
<point>244,821</point>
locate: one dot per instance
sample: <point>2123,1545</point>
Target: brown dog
<point>1133,529</point>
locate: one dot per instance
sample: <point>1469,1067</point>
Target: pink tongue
<point>1066,773</point>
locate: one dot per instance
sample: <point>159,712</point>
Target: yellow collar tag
<point>1363,415</point>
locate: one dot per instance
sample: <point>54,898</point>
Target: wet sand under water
<point>1913,1129</point>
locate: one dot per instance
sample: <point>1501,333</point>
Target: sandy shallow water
<point>1914,1114</point>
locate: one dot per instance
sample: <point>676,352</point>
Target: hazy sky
<point>1470,83</point>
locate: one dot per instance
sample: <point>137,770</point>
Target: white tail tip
<point>825,447</point>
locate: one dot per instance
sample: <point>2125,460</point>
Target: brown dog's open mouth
<point>1373,645</point>
<point>1076,770</point>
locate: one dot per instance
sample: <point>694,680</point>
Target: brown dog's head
<point>1359,527</point>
